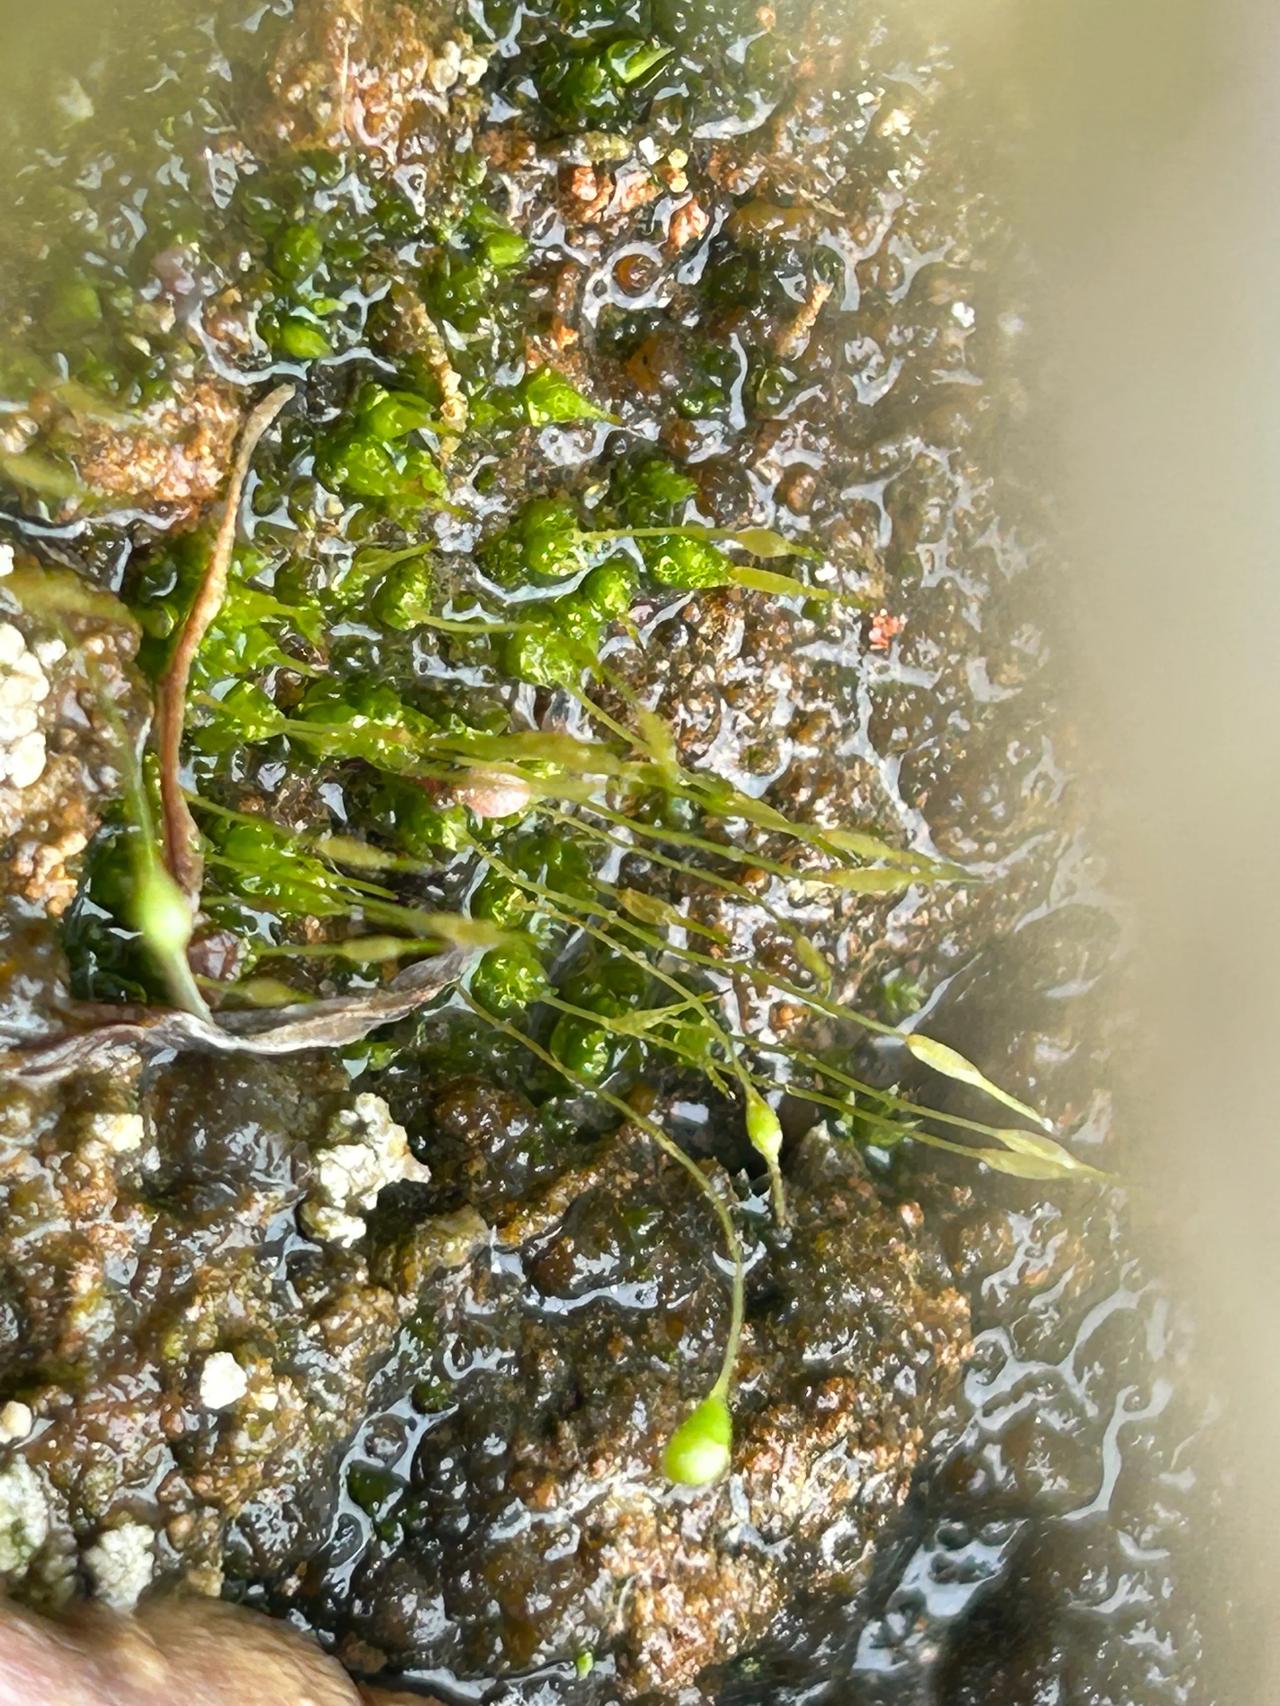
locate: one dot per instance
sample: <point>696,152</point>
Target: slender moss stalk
<point>700,1449</point>
<point>760,541</point>
<point>811,957</point>
<point>763,1130</point>
<point>578,915</point>
<point>602,716</point>
<point>887,1098</point>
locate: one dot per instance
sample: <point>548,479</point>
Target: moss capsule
<point>688,562</point>
<point>162,912</point>
<point>700,1450</point>
<point>590,1051</point>
<point>765,1133</point>
<point>763,1127</point>
<point>539,653</point>
<point>608,590</point>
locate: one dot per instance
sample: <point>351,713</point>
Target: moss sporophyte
<point>395,702</point>
<point>600,981</point>
<point>659,979</point>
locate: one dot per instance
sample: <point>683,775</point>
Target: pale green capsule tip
<point>162,912</point>
<point>952,1064</point>
<point>764,542</point>
<point>700,1449</point>
<point>763,1127</point>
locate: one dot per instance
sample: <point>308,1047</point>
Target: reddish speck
<point>884,630</point>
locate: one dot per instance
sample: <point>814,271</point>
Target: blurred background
<point>1150,198</point>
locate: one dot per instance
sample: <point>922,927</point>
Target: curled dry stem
<point>181,838</point>
<point>331,1023</point>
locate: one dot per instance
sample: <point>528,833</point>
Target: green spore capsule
<point>700,1450</point>
<point>589,1051</point>
<point>765,1134</point>
<point>544,543</point>
<point>763,1127</point>
<point>547,397</point>
<point>541,654</point>
<point>161,911</point>
<point>509,980</point>
<point>163,917</point>
<point>403,600</point>
<point>652,491</point>
<point>950,1063</point>
<point>688,562</point>
<point>608,590</point>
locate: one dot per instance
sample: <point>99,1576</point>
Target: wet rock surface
<point>178,1345</point>
<point>363,74</point>
<point>70,700</point>
<point>519,1516</point>
<point>174,455</point>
